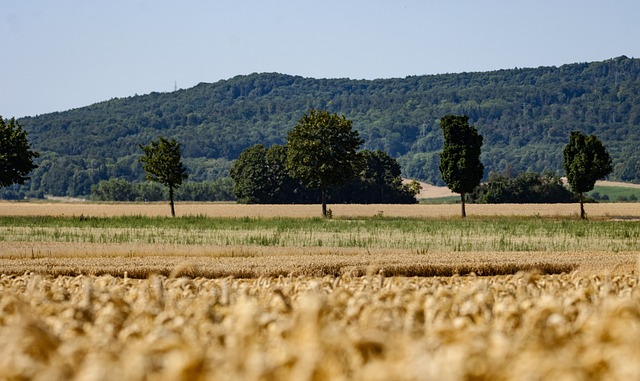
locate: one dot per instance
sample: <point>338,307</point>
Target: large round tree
<point>322,152</point>
<point>460,163</point>
<point>585,161</point>
<point>16,156</point>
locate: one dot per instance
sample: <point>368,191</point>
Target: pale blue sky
<point>62,54</point>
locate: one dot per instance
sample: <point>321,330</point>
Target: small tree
<point>16,156</point>
<point>585,161</point>
<point>322,152</point>
<point>460,163</point>
<point>162,164</point>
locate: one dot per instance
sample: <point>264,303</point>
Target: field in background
<point>615,210</point>
<point>615,193</point>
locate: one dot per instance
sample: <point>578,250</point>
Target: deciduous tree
<point>16,156</point>
<point>460,163</point>
<point>162,163</point>
<point>585,161</point>
<point>322,152</point>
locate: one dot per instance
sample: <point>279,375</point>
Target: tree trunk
<point>582,214</point>
<point>324,203</point>
<point>464,212</point>
<point>173,211</point>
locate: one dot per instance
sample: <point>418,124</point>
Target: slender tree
<point>16,156</point>
<point>585,161</point>
<point>322,152</point>
<point>162,163</point>
<point>460,163</point>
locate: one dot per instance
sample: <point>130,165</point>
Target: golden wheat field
<point>515,327</point>
<point>266,293</point>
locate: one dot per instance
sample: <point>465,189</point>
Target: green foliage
<point>585,161</point>
<point>525,116</point>
<point>379,182</point>
<point>460,163</point>
<point>113,190</point>
<point>260,177</point>
<point>217,190</point>
<point>16,156</point>
<point>322,151</point>
<point>119,189</point>
<point>526,188</point>
<point>161,160</point>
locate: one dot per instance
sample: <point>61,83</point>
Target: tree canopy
<point>162,163</point>
<point>524,115</point>
<point>585,161</point>
<point>16,156</point>
<point>260,177</point>
<point>460,163</point>
<point>322,151</point>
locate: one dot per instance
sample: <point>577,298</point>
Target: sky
<point>64,54</point>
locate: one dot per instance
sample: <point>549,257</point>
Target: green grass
<point>440,200</point>
<point>615,194</point>
<point>413,234</point>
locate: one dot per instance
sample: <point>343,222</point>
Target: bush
<point>526,188</point>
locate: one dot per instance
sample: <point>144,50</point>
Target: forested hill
<point>525,116</point>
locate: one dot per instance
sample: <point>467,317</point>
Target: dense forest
<point>525,116</point>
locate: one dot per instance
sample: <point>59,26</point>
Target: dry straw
<point>623,210</point>
<point>373,327</point>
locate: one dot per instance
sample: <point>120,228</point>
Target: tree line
<point>524,116</point>
<point>322,154</point>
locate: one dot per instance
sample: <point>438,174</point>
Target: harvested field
<point>320,264</point>
<point>616,210</point>
<point>363,296</point>
<point>514,327</point>
<point>253,247</point>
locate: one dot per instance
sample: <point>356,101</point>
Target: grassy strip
<point>422,235</point>
<point>615,194</point>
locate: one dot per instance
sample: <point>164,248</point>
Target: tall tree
<point>460,163</point>
<point>162,163</point>
<point>322,152</point>
<point>16,156</point>
<point>585,161</point>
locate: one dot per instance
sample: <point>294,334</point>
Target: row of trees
<point>585,161</point>
<point>322,154</point>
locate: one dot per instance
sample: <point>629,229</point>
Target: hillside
<point>525,116</point>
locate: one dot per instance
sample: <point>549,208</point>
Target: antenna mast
<point>175,85</point>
